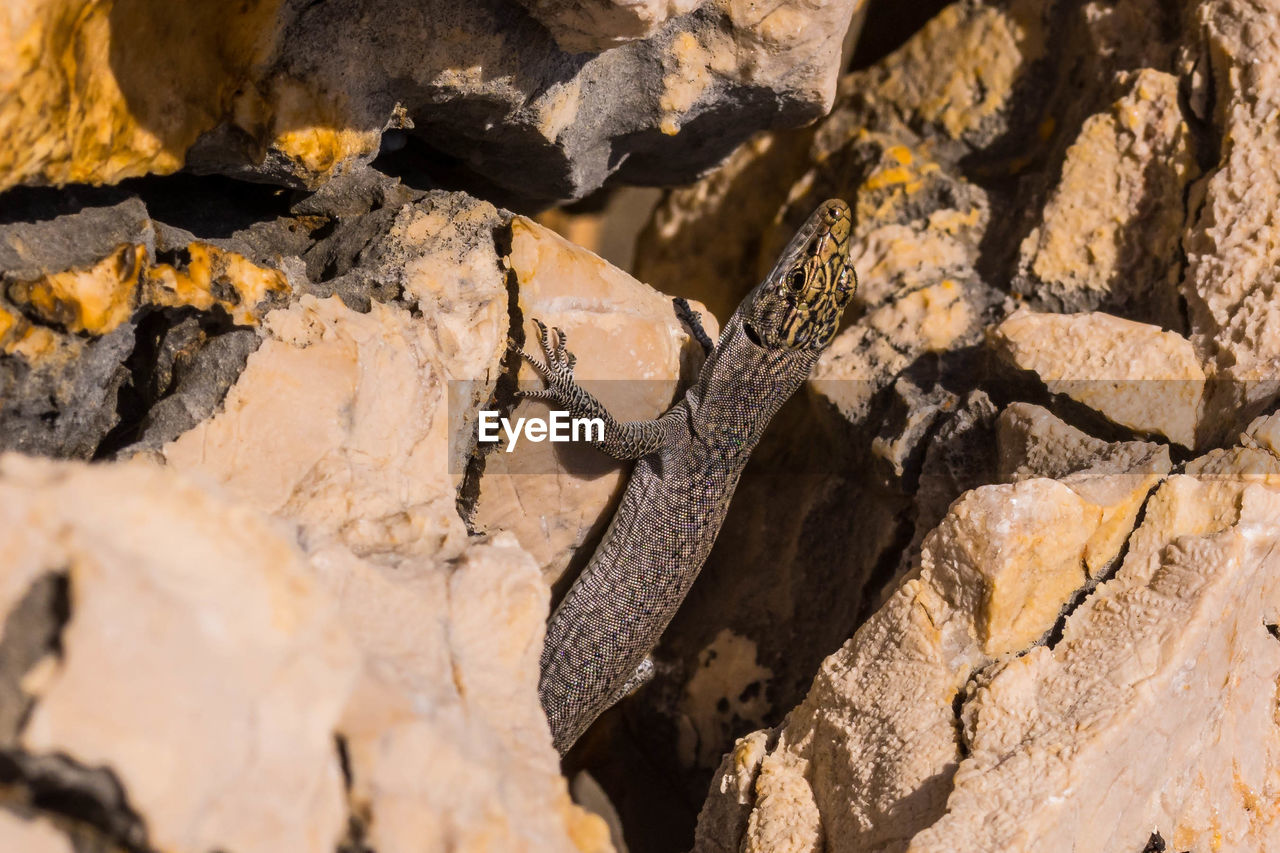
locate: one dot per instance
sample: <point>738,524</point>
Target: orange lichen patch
<point>313,128</point>
<point>686,82</point>
<point>990,49</point>
<point>33,343</point>
<point>212,277</point>
<point>94,300</point>
<point>899,173</point>
<point>98,299</point>
<point>8,322</point>
<point>80,102</point>
<point>588,832</point>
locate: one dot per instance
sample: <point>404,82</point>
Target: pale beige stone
<point>444,732</point>
<point>202,664</point>
<point>1156,711</point>
<point>864,761</point>
<point>591,25</point>
<point>1135,374</point>
<point>446,741</point>
<point>632,352</point>
<point>1116,477</point>
<point>728,686</point>
<point>339,423</point>
<point>1233,246</point>
<point>31,835</point>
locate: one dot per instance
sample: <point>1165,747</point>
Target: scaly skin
<point>689,462</point>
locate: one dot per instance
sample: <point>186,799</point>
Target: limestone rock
<point>633,353</point>
<point>1108,243</point>
<point>1171,661</point>
<point>76,290</point>
<point>595,25</point>
<point>231,661</point>
<point>865,761</point>
<point>296,94</point>
<point>1135,374</point>
<point>366,429</point>
<point>1233,52</point>
<point>1114,476</point>
<point>31,836</point>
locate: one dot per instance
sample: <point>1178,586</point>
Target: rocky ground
<point>1003,577</point>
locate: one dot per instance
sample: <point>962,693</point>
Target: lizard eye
<point>796,280</point>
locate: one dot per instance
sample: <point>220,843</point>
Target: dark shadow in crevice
<point>209,206</point>
<point>888,25</point>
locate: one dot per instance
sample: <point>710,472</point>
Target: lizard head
<point>798,305</point>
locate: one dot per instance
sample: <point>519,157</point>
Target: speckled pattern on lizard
<point>688,464</point>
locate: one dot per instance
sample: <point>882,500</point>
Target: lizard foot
<point>556,370</point>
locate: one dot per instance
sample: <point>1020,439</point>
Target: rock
<point>444,737</point>
<point>1134,374</point>
<point>633,353</point>
<point>1109,244</point>
<point>1152,666</point>
<point>231,660</point>
<point>298,95</point>
<point>865,760</point>
<point>31,835</point>
<point>374,391</point>
<point>1231,61</point>
<point>273,652</point>
<point>888,147</point>
<point>1115,476</point>
<point>78,288</point>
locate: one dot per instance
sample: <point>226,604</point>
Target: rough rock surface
<point>1172,660</point>
<point>232,660</point>
<point>435,635</point>
<point>298,94</point>
<point>999,578</point>
<point>1232,63</point>
<point>1134,374</point>
<point>1102,243</point>
<point>866,760</point>
<point>31,836</point>
<point>1081,158</point>
<point>637,361</point>
<point>76,290</point>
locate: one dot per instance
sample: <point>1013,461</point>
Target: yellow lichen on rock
<point>987,47</point>
<point>1123,181</point>
<point>94,92</point>
<point>98,299</point>
<point>314,129</point>
<point>686,82</point>
<point>94,300</point>
<point>215,276</point>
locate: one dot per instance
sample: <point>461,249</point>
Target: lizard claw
<point>556,369</point>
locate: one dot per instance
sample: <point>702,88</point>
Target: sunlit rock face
<point>1000,577</point>
<point>296,94</point>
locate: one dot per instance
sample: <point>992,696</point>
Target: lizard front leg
<point>622,440</point>
<point>693,322</point>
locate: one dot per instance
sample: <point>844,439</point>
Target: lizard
<point>688,462</point>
